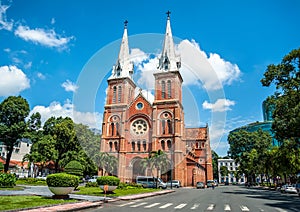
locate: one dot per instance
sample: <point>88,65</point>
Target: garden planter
<point>110,188</point>
<point>60,191</point>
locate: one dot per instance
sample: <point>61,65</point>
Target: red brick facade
<point>133,128</point>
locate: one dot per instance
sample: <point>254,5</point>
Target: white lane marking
<point>227,208</point>
<point>128,203</point>
<point>280,210</point>
<point>166,205</point>
<point>138,205</point>
<point>244,208</point>
<point>180,206</point>
<point>195,206</point>
<point>210,207</point>
<point>152,205</point>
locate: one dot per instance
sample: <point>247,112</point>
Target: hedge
<point>75,168</point>
<point>7,180</point>
<point>62,180</point>
<point>108,180</point>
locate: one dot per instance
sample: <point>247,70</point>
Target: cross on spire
<point>168,13</point>
<point>125,23</point>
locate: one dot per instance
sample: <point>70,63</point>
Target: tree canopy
<point>13,113</point>
<point>286,78</point>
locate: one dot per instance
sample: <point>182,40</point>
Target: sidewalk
<point>87,201</point>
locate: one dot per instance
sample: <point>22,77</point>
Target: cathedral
<point>134,129</point>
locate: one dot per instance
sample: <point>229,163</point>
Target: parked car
<point>93,179</point>
<point>291,189</point>
<point>175,183</point>
<point>150,182</point>
<point>200,185</point>
<point>298,188</point>
<point>210,183</point>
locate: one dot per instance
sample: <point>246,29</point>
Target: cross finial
<point>125,23</point>
<point>168,13</point>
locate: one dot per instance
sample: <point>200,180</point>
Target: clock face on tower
<point>139,127</point>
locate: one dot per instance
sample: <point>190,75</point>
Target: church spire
<point>168,61</point>
<point>123,67</point>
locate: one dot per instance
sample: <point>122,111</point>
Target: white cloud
<point>7,50</point>
<point>41,76</point>
<point>12,81</point>
<point>28,65</point>
<point>137,56</point>
<point>4,23</point>
<point>69,86</point>
<point>55,109</point>
<point>52,21</point>
<point>220,105</point>
<point>146,93</point>
<point>212,71</point>
<point>147,69</point>
<point>41,36</point>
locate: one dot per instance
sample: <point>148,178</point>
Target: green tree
<point>224,171</point>
<point>160,161</point>
<point>42,151</point>
<point>63,132</point>
<point>286,77</point>
<point>250,149</point>
<point>215,158</point>
<point>13,112</point>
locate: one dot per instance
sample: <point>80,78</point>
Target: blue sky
<point>55,52</point>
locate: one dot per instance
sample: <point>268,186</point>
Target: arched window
<point>138,146</point>
<point>169,144</point>
<point>169,88</point>
<point>169,124</point>
<point>112,129</point>
<point>110,146</point>
<point>163,126</point>
<point>119,93</point>
<point>163,145</point>
<point>116,146</point>
<point>117,129</point>
<point>163,89</point>
<point>144,146</point>
<point>133,146</point>
<point>114,94</point>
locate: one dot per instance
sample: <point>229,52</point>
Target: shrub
<point>7,180</point>
<point>31,181</point>
<point>1,167</point>
<point>75,168</point>
<point>62,180</point>
<point>108,180</point>
<point>91,184</point>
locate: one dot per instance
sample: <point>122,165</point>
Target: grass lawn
<point>18,202</point>
<point>96,191</point>
<point>16,188</point>
<point>31,181</point>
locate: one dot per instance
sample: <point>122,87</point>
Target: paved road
<point>227,198</point>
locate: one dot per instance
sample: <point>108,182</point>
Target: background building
<point>265,125</point>
<point>134,128</point>
<point>232,167</point>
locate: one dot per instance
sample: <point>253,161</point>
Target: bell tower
<point>168,131</point>
<point>120,93</point>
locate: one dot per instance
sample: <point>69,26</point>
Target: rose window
<point>139,127</point>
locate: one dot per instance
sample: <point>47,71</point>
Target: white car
<point>291,189</point>
<point>93,179</point>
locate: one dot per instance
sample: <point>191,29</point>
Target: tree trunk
<point>8,157</point>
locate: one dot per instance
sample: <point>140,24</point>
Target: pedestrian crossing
<point>178,206</point>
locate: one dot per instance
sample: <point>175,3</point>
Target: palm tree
<point>100,159</point>
<point>111,165</point>
<point>159,160</point>
<point>146,164</point>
